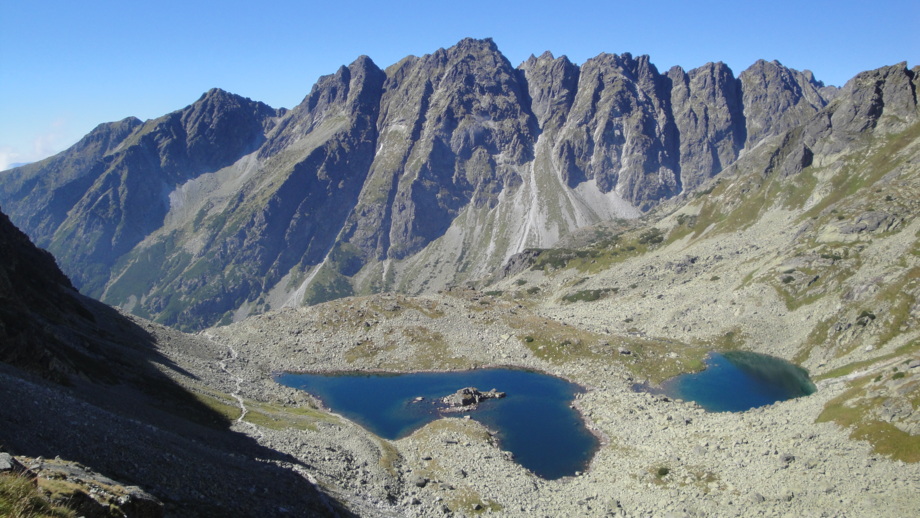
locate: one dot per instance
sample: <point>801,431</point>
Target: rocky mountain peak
<point>777,98</point>
<point>552,84</point>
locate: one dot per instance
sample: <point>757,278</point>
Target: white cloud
<point>52,140</point>
<point>8,156</point>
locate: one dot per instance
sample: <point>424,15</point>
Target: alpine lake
<point>735,381</point>
<point>536,420</point>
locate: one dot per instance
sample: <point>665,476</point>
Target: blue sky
<point>66,66</point>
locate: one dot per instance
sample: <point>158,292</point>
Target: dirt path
<point>238,382</point>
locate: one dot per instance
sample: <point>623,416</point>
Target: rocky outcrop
<point>83,491</point>
<point>468,398</point>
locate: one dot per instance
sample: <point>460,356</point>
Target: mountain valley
<point>604,223</point>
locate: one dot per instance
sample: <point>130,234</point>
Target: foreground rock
<point>82,490</point>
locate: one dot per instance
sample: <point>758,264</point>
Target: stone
<point>138,503</point>
<point>9,464</point>
<point>468,398</point>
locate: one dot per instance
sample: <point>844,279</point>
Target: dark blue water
<point>736,381</point>
<point>534,421</point>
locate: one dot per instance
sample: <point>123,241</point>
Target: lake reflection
<point>534,421</point>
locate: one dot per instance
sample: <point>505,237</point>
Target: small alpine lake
<point>736,381</point>
<point>535,421</point>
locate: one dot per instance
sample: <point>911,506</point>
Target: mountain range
<point>432,172</point>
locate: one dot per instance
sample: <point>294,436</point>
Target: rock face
<point>429,173</point>
<point>469,398</point>
<point>35,297</point>
<point>709,115</point>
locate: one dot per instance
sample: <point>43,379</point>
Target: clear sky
<point>66,66</point>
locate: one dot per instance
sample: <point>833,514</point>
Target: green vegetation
<point>429,349</point>
<point>389,457</point>
<point>651,236</point>
<point>864,170</point>
<point>601,254</point>
<point>280,417</point>
<point>221,404</point>
<point>654,360</point>
<point>21,498</point>
<point>910,348</point>
<point>854,410</point>
<point>367,349</point>
<point>588,295</point>
<point>328,284</point>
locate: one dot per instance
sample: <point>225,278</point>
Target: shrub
<point>651,236</point>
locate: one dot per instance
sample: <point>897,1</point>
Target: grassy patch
<point>328,284</point>
<point>552,341</point>
<point>853,410</point>
<point>588,295</point>
<point>909,348</point>
<point>367,349</point>
<point>21,498</point>
<point>429,349</point>
<point>658,360</point>
<point>864,170</point>
<point>389,457</point>
<point>281,417</point>
<point>468,501</point>
<point>223,405</point>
